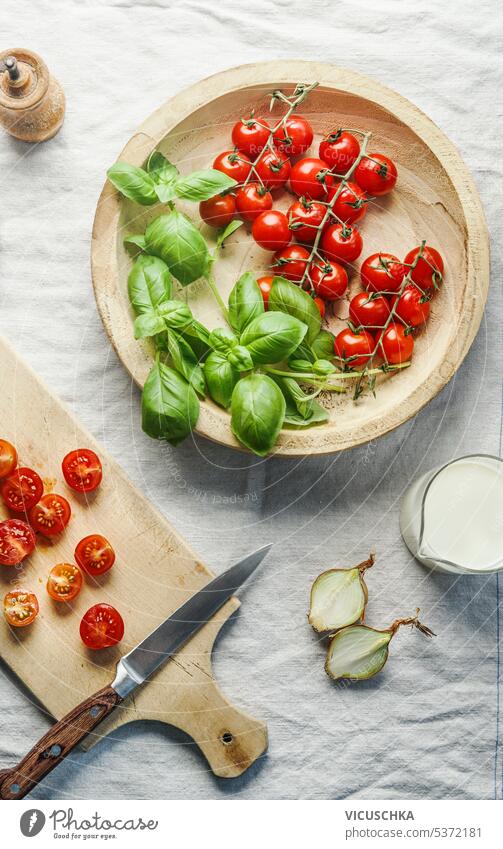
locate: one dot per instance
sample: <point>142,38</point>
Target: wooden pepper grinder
<point>32,102</point>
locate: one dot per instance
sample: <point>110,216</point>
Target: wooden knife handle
<point>50,750</point>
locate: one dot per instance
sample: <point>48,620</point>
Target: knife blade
<point>132,670</point>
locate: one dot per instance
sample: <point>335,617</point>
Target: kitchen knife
<point>132,671</point>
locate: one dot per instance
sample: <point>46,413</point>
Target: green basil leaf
<point>198,337</point>
<point>221,378</point>
<point>203,185</point>
<point>323,367</point>
<point>299,365</point>
<point>323,346</point>
<point>286,297</point>
<point>273,336</point>
<point>257,412</point>
<point>294,419</point>
<point>175,314</point>
<point>245,302</point>
<point>149,283</point>
<point>148,324</point>
<point>185,361</point>
<point>296,396</point>
<point>169,405</point>
<point>174,239</point>
<point>164,174</point>
<point>132,182</point>
<point>228,231</point>
<point>136,239</point>
<point>223,339</point>
<point>240,358</point>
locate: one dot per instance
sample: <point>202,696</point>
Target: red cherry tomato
<point>20,608</point>
<point>64,582</point>
<point>51,515</point>
<point>82,470</point>
<point>320,303</point>
<point>395,344</point>
<point>273,169</point>
<point>233,163</point>
<point>251,200</point>
<point>270,230</point>
<point>339,150</point>
<point>351,204</point>
<point>369,310</point>
<point>429,270</point>
<point>22,489</point>
<point>17,541</point>
<point>8,458</point>
<point>291,262</point>
<point>218,211</point>
<point>310,179</point>
<point>295,136</point>
<point>305,216</point>
<point>102,626</point>
<point>412,307</point>
<point>382,273</point>
<point>341,243</point>
<point>94,554</point>
<point>265,285</point>
<point>376,174</point>
<point>354,349</point>
<point>329,280</point>
<point>250,135</point>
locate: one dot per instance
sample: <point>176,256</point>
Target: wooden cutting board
<point>154,573</point>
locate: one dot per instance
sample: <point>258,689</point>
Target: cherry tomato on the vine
<point>429,269</point>
<point>102,626</point>
<point>354,348</point>
<point>250,135</point>
<point>218,211</point>
<point>82,470</point>
<point>320,303</point>
<point>265,285</point>
<point>233,163</point>
<point>17,541</point>
<point>395,344</point>
<point>412,307</point>
<point>382,272</point>
<point>8,458</point>
<point>251,200</point>
<point>305,216</point>
<point>310,179</point>
<point>273,169</point>
<point>351,204</point>
<point>376,174</point>
<point>295,136</point>
<point>369,310</point>
<point>339,150</point>
<point>341,243</point>
<point>94,554</point>
<point>51,515</point>
<point>291,262</point>
<point>64,582</point>
<point>271,231</point>
<point>329,279</point>
<point>22,489</point>
<point>20,608</point>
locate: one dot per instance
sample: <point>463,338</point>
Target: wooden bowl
<point>435,199</point>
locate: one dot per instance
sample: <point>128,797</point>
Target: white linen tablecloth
<point>430,725</point>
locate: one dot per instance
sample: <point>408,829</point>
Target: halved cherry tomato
<point>64,582</point>
<point>329,280</point>
<point>22,489</point>
<point>369,310</point>
<point>341,243</point>
<point>351,204</point>
<point>17,541</point>
<point>429,269</point>
<point>265,285</point>
<point>310,179</point>
<point>273,169</point>
<point>20,608</point>
<point>305,216</point>
<point>295,136</point>
<point>382,273</point>
<point>251,200</point>
<point>233,163</point>
<point>250,135</point>
<point>102,626</point>
<point>218,211</point>
<point>94,554</point>
<point>339,150</point>
<point>51,515</point>
<point>395,344</point>
<point>8,458</point>
<point>291,262</point>
<point>82,470</point>
<point>376,174</point>
<point>320,303</point>
<point>412,307</point>
<point>270,230</point>
<point>354,349</point>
